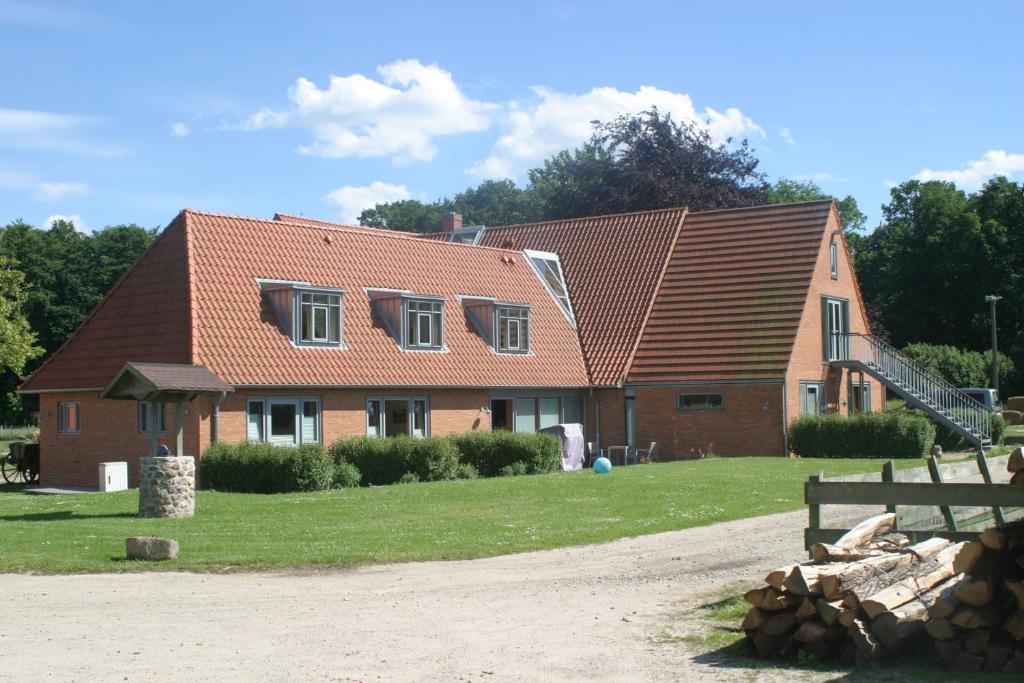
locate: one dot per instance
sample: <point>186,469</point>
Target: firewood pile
<point>873,595</point>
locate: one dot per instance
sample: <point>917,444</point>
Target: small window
<point>860,397</point>
<point>319,318</point>
<point>812,398</point>
<point>833,258</point>
<point>144,418</point>
<point>398,416</point>
<point>424,324</point>
<point>700,401</point>
<point>68,417</point>
<point>513,329</point>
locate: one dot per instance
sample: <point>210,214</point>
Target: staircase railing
<point>934,393</point>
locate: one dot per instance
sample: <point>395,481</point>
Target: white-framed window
<point>161,423</point>
<point>835,317</point>
<point>424,324</point>
<point>860,397</point>
<point>513,329</point>
<point>319,318</point>
<point>549,267</point>
<point>530,413</point>
<point>700,402</point>
<point>69,414</point>
<point>398,416</point>
<point>284,420</point>
<point>812,398</point>
<point>833,259</point>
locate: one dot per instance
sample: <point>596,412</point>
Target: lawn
<point>9,434</point>
<point>426,521</point>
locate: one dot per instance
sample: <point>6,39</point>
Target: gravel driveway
<point>583,613</point>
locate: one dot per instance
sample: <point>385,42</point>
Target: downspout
<point>597,420</point>
<point>785,417</point>
<point>215,418</point>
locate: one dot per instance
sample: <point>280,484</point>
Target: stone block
<point>151,548</point>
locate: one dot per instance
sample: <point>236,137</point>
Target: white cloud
<point>352,199</point>
<point>28,129</point>
<point>398,116</point>
<point>79,222</point>
<point>975,173</point>
<point>39,189</point>
<point>560,121</point>
<point>787,136</point>
<point>180,129</point>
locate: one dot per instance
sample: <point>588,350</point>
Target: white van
<point>986,397</point>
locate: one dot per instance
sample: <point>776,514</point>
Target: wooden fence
<point>964,507</point>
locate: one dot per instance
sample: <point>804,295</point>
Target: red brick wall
<point>806,362</point>
<point>109,429</point>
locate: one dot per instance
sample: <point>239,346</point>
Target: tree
<point>17,341</point>
<point>786,191</point>
<point>496,202</point>
<point>410,215</point>
<point>648,161</point>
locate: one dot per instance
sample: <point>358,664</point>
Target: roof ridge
<point>350,229</point>
<point>284,218</point>
<point>604,216</point>
<point>762,207</point>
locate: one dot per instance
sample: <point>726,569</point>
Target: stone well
<point>167,486</point>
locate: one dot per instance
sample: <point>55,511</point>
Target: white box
<point>113,476</point>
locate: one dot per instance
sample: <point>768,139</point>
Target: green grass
<point>442,520</point>
<point>9,434</point>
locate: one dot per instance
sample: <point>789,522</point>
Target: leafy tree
<point>648,161</point>
<point>17,340</point>
<point>960,367</point>
<point>496,202</point>
<point>410,215</point>
<point>786,191</point>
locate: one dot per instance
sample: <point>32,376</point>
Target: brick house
<point>706,332</point>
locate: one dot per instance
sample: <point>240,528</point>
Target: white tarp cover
<point>571,436</point>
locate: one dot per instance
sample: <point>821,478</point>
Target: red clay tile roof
<point>612,265</point>
<point>732,296</point>
<point>144,317</point>
<point>169,378</point>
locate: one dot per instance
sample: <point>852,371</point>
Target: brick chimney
<point>451,222</point>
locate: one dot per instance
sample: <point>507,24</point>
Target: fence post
<point>936,475</point>
<point>813,511</point>
<point>889,477</point>
<point>986,476</point>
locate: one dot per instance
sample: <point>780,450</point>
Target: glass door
<point>835,329</point>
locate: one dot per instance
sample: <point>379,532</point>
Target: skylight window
<point>549,268</point>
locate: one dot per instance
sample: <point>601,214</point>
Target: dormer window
<point>319,318</point>
<point>549,268</point>
<point>307,314</point>
<point>513,334</point>
<point>424,324</point>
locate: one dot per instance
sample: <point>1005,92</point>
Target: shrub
<point>265,468</point>
<point>516,469</point>
<point>346,476</point>
<point>384,461</point>
<point>899,434</point>
<point>953,441</point>
<point>960,367</point>
<point>492,451</point>
<point>408,478</point>
<point>466,471</point>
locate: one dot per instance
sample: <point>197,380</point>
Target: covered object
<point>571,436</point>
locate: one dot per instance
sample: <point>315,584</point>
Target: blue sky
<point>118,112</point>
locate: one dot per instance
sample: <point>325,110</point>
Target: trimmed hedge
<point>386,461</point>
<point>266,468</point>
<point>895,434</point>
<point>497,453</point>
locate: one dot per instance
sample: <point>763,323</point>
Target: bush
<point>384,461</point>
<point>960,367</point>
<point>899,434</point>
<point>953,441</point>
<point>266,468</point>
<point>466,471</point>
<point>346,476</point>
<point>516,469</point>
<point>492,451</point>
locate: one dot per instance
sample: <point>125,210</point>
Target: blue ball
<point>603,466</point>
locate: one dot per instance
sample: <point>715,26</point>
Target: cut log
<point>867,645</point>
<point>993,539</point>
<point>1015,463</point>
<point>1014,625</point>
<point>847,616</point>
<point>945,602</point>
<point>855,538</point>
<point>825,552</point>
<point>770,599</point>
<point>976,591</point>
<point>838,581</point>
<point>829,610</point>
<point>976,642</point>
<point>824,650</point>
<point>1016,590</point>
<point>778,624</point>
<point>920,580</point>
<point>803,580</point>
<point>810,631</point>
<point>966,662</point>
<point>967,557</point>
<point>975,617</point>
<point>806,610</point>
<point>765,645</point>
<point>941,629</point>
<point>777,577</point>
<point>998,653</point>
<point>947,651</point>
<point>755,617</point>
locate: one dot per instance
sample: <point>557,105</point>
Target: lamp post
<point>991,299</point>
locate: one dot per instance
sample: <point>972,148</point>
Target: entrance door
<point>501,414</point>
<point>396,418</point>
<point>631,421</point>
<point>835,329</point>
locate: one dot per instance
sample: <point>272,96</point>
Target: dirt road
<point>584,613</point>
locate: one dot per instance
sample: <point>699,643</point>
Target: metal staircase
<point>921,388</point>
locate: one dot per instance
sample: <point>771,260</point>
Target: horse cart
<point>21,464</point>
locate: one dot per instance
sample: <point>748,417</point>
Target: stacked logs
<point>872,594</point>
